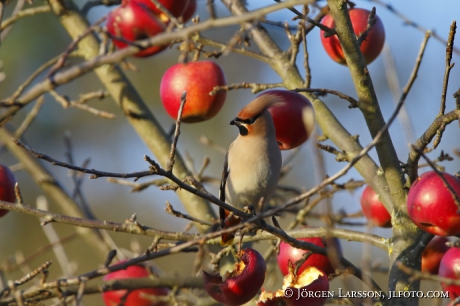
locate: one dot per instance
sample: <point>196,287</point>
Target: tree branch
<point>368,103</point>
<point>130,102</point>
<point>53,190</point>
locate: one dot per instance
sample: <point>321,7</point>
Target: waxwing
<point>253,162</point>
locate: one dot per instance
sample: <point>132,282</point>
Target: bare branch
<point>255,87</point>
<point>25,13</point>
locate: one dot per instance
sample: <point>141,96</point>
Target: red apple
<point>133,21</point>
<point>175,7</point>
<point>289,253</point>
<point>294,118</point>
<point>431,257</point>
<point>240,285</point>
<point>135,297</point>
<point>7,182</point>
<point>310,287</point>
<point>373,209</point>
<point>370,47</point>
<point>198,79</point>
<point>431,205</point>
<point>450,268</point>
<point>189,11</point>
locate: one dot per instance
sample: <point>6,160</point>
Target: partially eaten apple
<point>240,285</point>
<point>310,288</point>
<point>289,253</point>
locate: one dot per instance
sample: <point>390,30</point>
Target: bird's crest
<point>258,105</point>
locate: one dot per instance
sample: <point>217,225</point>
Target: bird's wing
<point>223,183</point>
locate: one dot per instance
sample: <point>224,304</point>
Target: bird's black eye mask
<point>240,124</point>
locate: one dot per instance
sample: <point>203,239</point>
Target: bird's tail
<point>228,220</point>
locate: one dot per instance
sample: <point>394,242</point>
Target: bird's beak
<point>235,122</point>
<point>240,125</point>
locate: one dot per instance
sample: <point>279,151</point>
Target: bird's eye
<point>248,120</point>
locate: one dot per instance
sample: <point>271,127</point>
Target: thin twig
<point>393,83</point>
<point>317,20</point>
<point>78,193</point>
<point>295,42</point>
<point>442,157</point>
<point>353,102</point>
<point>211,9</point>
<point>306,63</point>
<point>170,210</point>
<point>24,13</point>
<point>208,142</point>
<point>340,156</point>
<point>2,10</point>
<point>421,275</point>
<point>371,20</point>
<point>80,293</point>
<point>66,102</point>
<point>423,141</point>
<point>223,47</point>
<point>137,187</point>
<point>62,58</point>
<point>84,98</point>
<point>449,66</point>
<point>18,195</point>
<point>30,79</point>
<point>17,9</point>
<point>30,117</point>
<point>53,237</point>
<point>206,162</point>
<point>172,153</point>
<point>31,275</point>
<point>299,15</point>
<point>10,267</point>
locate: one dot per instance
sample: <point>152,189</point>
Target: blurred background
<point>112,145</point>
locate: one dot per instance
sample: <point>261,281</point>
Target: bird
<point>253,162</point>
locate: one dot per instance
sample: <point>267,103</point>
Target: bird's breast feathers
<point>261,173</point>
